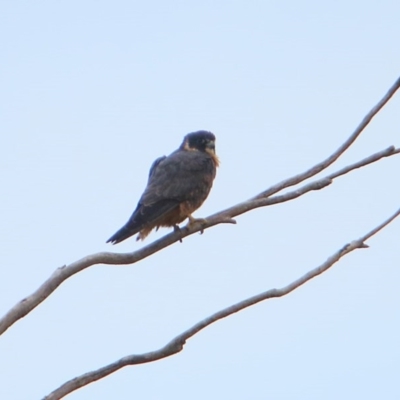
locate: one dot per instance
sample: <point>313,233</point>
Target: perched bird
<point>177,186</point>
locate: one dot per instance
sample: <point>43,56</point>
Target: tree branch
<point>176,344</point>
<point>332,158</point>
<point>369,160</point>
<point>263,199</point>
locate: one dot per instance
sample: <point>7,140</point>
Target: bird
<point>177,185</point>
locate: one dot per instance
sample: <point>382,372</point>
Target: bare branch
<point>332,158</point>
<point>226,216</point>
<point>176,344</point>
<point>316,185</point>
<point>369,160</point>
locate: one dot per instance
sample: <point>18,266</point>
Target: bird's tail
<point>124,233</point>
<point>143,220</point>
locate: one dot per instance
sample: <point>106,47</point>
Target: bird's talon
<point>192,221</point>
<point>178,229</point>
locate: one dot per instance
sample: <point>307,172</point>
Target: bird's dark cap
<point>200,135</point>
<point>199,140</point>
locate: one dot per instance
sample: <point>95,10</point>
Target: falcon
<point>177,186</point>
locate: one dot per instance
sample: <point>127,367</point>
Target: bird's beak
<point>211,146</point>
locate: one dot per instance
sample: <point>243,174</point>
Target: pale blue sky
<point>92,92</point>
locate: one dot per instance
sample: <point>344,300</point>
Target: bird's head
<point>201,141</point>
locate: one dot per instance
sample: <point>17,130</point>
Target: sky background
<point>93,91</point>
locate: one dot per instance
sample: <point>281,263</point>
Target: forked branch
<point>263,199</point>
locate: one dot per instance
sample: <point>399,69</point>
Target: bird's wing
<point>177,177</point>
<point>154,165</point>
<point>172,180</point>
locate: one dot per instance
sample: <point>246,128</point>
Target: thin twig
<point>176,344</point>
<point>316,185</point>
<point>332,158</point>
<point>371,159</point>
